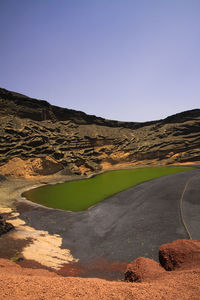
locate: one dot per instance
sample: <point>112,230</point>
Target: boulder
<point>2,178</point>
<point>4,226</point>
<point>143,269</point>
<point>180,254</point>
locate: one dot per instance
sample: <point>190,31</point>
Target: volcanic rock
<point>180,254</point>
<point>82,144</point>
<point>4,226</point>
<point>2,178</point>
<point>30,167</point>
<point>143,269</point>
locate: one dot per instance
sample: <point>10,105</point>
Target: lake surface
<point>81,194</point>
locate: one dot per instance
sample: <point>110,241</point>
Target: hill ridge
<point>85,143</point>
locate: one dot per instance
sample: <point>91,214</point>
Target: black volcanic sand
<point>132,223</point>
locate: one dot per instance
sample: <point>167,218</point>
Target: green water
<point>78,195</point>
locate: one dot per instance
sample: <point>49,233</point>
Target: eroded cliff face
<point>80,143</point>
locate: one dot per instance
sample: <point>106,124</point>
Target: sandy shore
<point>42,247</point>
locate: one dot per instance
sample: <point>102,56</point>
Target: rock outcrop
<point>30,167</point>
<point>180,254</point>
<point>142,269</point>
<point>4,226</point>
<point>82,143</point>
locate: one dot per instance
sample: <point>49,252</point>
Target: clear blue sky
<point>133,60</point>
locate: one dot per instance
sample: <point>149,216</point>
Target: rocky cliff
<point>79,143</point>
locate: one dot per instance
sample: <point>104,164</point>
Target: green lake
<point>78,195</point>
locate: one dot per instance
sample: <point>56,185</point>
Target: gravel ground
<point>18,283</point>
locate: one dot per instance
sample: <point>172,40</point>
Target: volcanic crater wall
<point>82,143</point>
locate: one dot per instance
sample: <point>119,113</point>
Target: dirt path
<point>181,203</point>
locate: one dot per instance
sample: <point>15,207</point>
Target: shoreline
<point>79,178</point>
<point>11,205</point>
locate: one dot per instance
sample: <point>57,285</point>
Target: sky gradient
<point>129,60</point>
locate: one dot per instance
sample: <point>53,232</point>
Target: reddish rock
<point>180,254</point>
<point>143,269</point>
<point>19,283</point>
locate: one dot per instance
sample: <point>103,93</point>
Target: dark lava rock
<point>4,226</point>
<point>2,178</point>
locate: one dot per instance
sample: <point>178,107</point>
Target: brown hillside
<point>81,143</point>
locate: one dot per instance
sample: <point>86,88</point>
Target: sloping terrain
<point>37,138</point>
<point>80,143</point>
<point>182,283</point>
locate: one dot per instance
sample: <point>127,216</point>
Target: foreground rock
<point>180,254</point>
<point>143,269</point>
<point>81,143</point>
<point>4,226</point>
